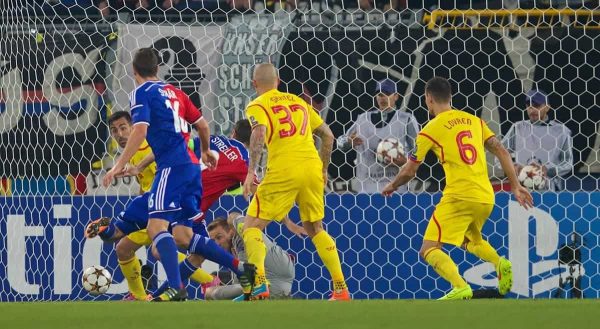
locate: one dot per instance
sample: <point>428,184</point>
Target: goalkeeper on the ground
<point>279,264</point>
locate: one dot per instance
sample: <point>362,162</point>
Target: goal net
<point>65,66</point>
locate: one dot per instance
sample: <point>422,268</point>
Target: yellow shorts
<point>140,237</point>
<point>301,183</point>
<point>454,220</point>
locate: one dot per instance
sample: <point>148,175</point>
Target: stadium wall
<point>43,251</point>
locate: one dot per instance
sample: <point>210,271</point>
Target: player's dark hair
<point>119,115</point>
<point>145,62</point>
<point>219,221</point>
<point>242,131</point>
<point>440,89</point>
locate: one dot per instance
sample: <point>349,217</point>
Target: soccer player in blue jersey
<point>175,195</point>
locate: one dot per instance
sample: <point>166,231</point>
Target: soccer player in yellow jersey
<point>120,128</point>
<point>458,139</point>
<point>295,172</point>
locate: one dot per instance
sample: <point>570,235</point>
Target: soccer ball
<point>388,149</point>
<point>532,178</point>
<point>96,280</point>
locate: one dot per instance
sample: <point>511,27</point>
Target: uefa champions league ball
<point>96,280</point>
<point>532,178</point>
<point>388,149</point>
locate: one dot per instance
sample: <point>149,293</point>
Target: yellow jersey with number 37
<point>290,122</point>
<point>457,138</point>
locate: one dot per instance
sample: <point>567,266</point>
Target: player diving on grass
<point>459,140</point>
<point>295,172</point>
<point>174,199</point>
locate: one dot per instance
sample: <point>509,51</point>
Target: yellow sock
<point>131,269</point>
<point>484,250</point>
<point>329,255</point>
<point>445,267</point>
<point>200,275</point>
<point>257,251</point>
<point>180,257</point>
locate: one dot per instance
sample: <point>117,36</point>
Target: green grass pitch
<point>291,314</point>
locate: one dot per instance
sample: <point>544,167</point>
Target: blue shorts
<point>200,228</point>
<point>135,216</point>
<point>187,204</point>
<point>175,194</point>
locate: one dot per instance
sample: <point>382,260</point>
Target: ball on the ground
<point>532,178</point>
<point>388,149</point>
<point>96,280</point>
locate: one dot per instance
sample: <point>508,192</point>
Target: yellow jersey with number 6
<point>457,138</point>
<point>290,122</point>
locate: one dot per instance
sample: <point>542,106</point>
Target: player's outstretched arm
<point>298,230</point>
<point>257,142</point>
<point>326,136</point>
<point>131,170</point>
<point>136,138</point>
<point>522,195</point>
<point>146,161</point>
<point>408,172</point>
<point>209,159</point>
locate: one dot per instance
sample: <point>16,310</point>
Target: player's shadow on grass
<point>486,293</point>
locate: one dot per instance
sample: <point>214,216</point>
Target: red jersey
<point>231,171</point>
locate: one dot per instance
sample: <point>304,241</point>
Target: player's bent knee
<point>196,260</point>
<point>182,236</point>
<point>155,252</point>
<point>465,243</point>
<point>313,228</point>
<point>156,226</point>
<point>125,249</point>
<point>254,222</point>
<point>182,241</point>
<point>427,246</point>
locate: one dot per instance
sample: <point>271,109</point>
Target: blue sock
<point>109,232</point>
<point>186,269</point>
<point>168,257</point>
<point>164,286</point>
<point>210,250</point>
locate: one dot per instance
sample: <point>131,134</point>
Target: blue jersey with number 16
<point>168,112</point>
